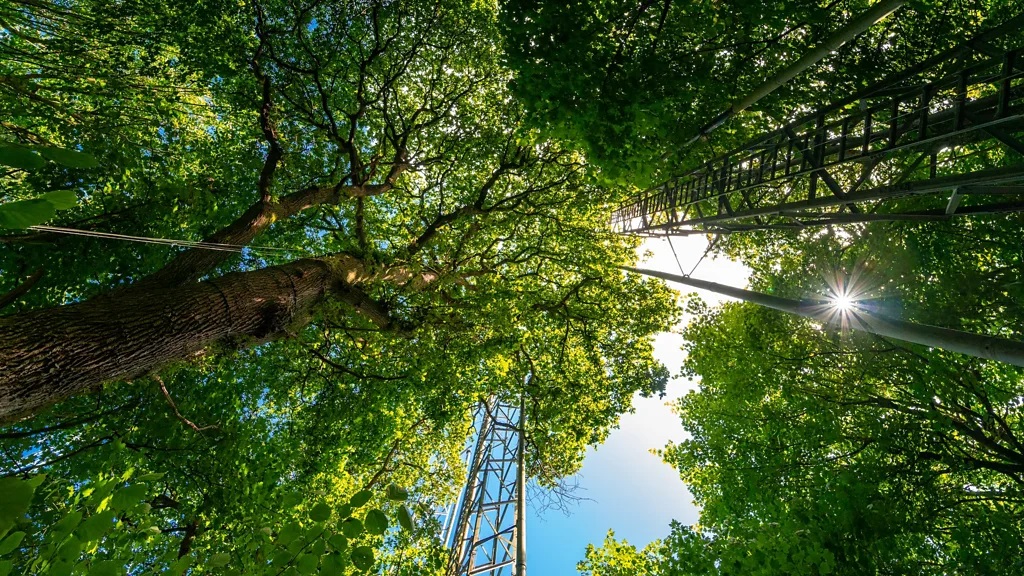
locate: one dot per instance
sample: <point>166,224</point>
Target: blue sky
<point>627,488</point>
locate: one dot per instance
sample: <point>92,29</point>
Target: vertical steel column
<point>463,509</point>
<point>521,492</point>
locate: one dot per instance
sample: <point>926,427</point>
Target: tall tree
<point>817,450</point>
<point>384,246</point>
<point>395,164</point>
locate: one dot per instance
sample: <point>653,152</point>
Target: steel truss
<point>487,524</point>
<point>929,144</point>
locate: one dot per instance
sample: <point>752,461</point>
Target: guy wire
<point>165,241</point>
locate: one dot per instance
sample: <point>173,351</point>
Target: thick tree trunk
<point>49,355</point>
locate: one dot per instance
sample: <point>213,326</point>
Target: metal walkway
<point>943,139</point>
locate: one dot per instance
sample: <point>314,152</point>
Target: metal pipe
<point>847,33</point>
<point>457,545</point>
<point>521,491</point>
<point>842,36</point>
<point>980,346</point>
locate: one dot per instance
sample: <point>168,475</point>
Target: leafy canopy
<point>379,138</point>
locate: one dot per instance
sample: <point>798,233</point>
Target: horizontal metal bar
<point>992,176</point>
<point>492,566</point>
<point>937,139</point>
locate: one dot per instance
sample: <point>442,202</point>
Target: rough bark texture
<point>49,355</point>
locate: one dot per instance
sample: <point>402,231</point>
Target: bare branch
<point>170,402</point>
<point>23,288</point>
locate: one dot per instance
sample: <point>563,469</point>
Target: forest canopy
<point>363,241</point>
<point>260,260</point>
<point>810,449</point>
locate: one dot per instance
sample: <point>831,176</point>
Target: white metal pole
<point>856,26</point>
<point>521,491</point>
<point>981,346</point>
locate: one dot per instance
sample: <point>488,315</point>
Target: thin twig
<point>170,402</point>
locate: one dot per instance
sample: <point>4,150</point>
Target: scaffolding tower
<point>486,529</point>
<point>940,140</point>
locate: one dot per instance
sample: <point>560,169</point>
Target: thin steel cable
<point>669,238</point>
<point>164,241</point>
<point>711,245</point>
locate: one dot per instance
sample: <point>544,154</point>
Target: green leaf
<point>22,214</point>
<point>362,558</point>
<point>20,157</point>
<point>61,199</point>
<point>64,526</point>
<point>344,511</point>
<point>376,522</point>
<point>281,559</point>
<point>307,563</point>
<point>352,527</point>
<point>70,550</point>
<point>5,567</point>
<point>129,496</point>
<point>15,498</point>
<point>333,563</point>
<point>219,559</point>
<point>396,493</point>
<point>298,544</point>
<point>102,490</point>
<point>7,545</point>
<point>61,568</point>
<point>339,542</point>
<point>289,533</point>
<point>405,518</point>
<point>320,513</point>
<point>68,158</point>
<point>95,526</point>
<point>152,476</point>
<point>180,565</point>
<point>107,568</point>
<point>360,499</point>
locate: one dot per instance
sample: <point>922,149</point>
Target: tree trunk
<point>48,355</point>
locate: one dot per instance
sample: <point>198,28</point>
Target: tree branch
<point>23,288</point>
<point>275,152</point>
<point>170,402</point>
<point>193,264</point>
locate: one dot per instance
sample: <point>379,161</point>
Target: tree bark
<point>48,355</point>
